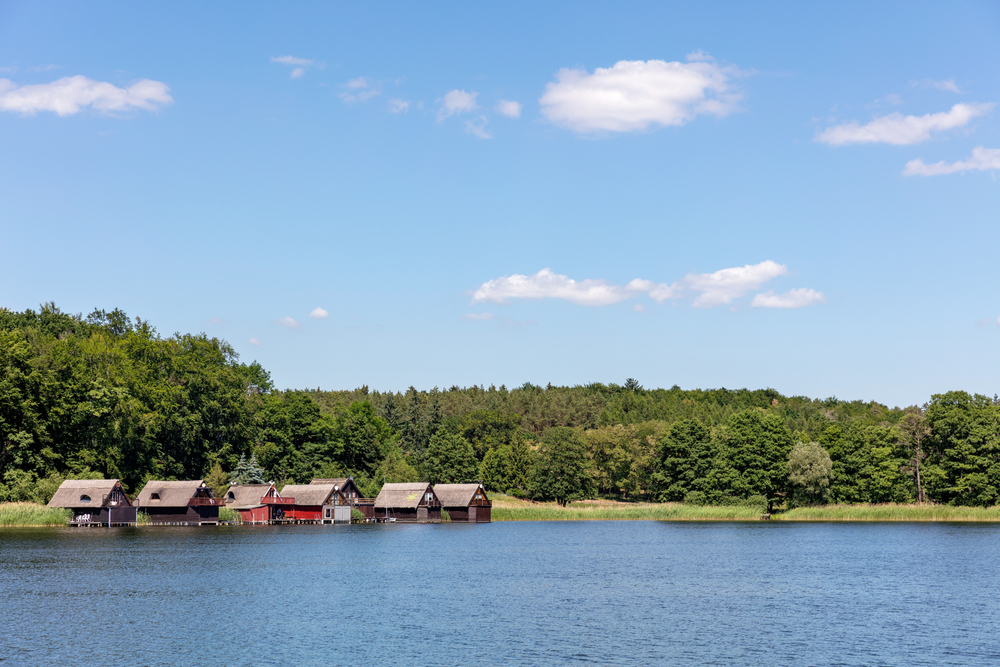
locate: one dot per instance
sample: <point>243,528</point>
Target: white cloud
<point>634,94</point>
<point>292,60</point>
<point>68,95</point>
<point>287,322</point>
<point>478,128</point>
<point>216,321</point>
<point>943,84</point>
<point>254,342</point>
<point>548,285</point>
<point>639,308</point>
<point>508,108</point>
<point>399,106</point>
<point>299,65</point>
<point>360,89</point>
<point>319,314</point>
<point>477,317</point>
<point>796,298</point>
<point>902,130</point>
<point>457,101</point>
<point>725,285</point>
<point>11,69</point>
<point>982,159</point>
<point>43,68</point>
<point>708,289</point>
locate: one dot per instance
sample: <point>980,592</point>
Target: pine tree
<point>255,474</point>
<point>239,473</point>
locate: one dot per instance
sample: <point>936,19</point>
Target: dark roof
<point>72,490</point>
<point>457,495</point>
<point>171,494</point>
<point>401,494</point>
<point>246,495</point>
<point>308,494</point>
<point>340,482</point>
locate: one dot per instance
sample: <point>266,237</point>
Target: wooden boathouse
<point>95,502</point>
<point>349,495</point>
<point>187,502</point>
<point>465,502</point>
<point>315,503</point>
<point>407,502</point>
<point>257,503</point>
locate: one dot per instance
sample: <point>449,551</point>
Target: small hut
<point>95,502</point>
<point>187,502</point>
<point>313,503</point>
<point>465,502</point>
<point>256,503</point>
<point>407,502</point>
<point>349,496</point>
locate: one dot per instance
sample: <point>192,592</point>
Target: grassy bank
<point>506,508</point>
<point>890,512</point>
<point>32,514</point>
<point>512,509</point>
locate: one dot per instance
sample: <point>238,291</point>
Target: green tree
<point>686,457</point>
<point>757,448</point>
<point>562,470</point>
<point>809,470</point>
<point>966,437</point>
<point>364,438</point>
<point>217,480</point>
<point>449,459</point>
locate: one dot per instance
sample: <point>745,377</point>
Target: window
<point>154,496</point>
<point>232,496</point>
<point>84,499</point>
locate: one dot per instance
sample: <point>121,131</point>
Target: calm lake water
<point>598,593</point>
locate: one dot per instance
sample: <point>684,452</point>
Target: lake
<point>558,593</point>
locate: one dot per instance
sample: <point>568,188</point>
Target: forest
<point>107,396</point>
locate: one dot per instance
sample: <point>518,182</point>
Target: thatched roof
<point>340,482</point>
<point>308,494</point>
<point>402,494</point>
<point>246,496</point>
<point>457,495</point>
<point>72,491</point>
<point>170,494</point>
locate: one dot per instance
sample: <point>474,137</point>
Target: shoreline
<point>507,508</point>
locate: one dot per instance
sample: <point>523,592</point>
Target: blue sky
<point>778,194</point>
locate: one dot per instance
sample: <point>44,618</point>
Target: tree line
<point>107,396</point>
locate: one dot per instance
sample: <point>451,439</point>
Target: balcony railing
<point>210,502</point>
<point>274,500</point>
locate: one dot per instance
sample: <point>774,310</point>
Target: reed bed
<point>32,514</point>
<point>621,512</point>
<point>889,512</point>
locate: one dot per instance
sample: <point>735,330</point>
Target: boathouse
<point>465,502</point>
<point>95,502</point>
<point>315,503</point>
<point>407,502</point>
<point>187,502</point>
<point>349,495</point>
<point>256,503</point>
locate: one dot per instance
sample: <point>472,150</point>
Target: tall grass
<point>32,514</point>
<point>623,512</point>
<point>889,512</point>
<point>229,514</point>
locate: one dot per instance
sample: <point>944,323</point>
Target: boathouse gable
<point>179,502</point>
<point>95,502</point>
<point>465,502</point>
<point>407,501</point>
<point>255,503</point>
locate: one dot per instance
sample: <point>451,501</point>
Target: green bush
<point>695,498</point>
<point>444,515</point>
<point>356,515</point>
<point>229,514</point>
